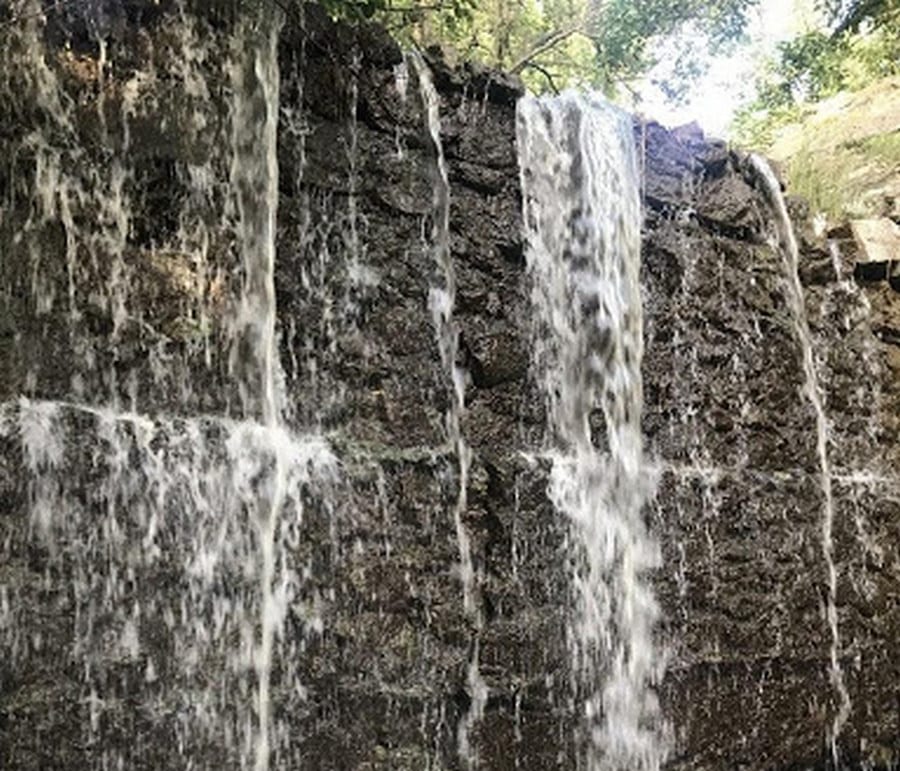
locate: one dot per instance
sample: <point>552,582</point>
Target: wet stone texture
<point>116,649</point>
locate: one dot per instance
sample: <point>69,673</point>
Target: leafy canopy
<point>557,43</point>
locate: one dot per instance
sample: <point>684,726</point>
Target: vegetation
<point>844,159</point>
<point>826,107</point>
<point>554,44</point>
<point>860,44</point>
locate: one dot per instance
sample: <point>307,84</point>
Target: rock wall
<point>118,278</point>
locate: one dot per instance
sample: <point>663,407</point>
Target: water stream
<point>582,224</point>
<point>787,243</point>
<point>441,301</point>
<point>254,356</point>
<point>177,502</point>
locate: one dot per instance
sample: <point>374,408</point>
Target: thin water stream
<point>441,301</point>
<point>787,243</point>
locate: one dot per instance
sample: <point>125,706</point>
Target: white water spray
<point>787,243</point>
<point>582,223</point>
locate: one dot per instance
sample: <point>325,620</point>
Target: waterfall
<point>254,179</point>
<point>207,496</point>
<point>254,357</point>
<point>787,244</point>
<point>441,301</point>
<point>175,502</point>
<point>323,435</point>
<point>582,219</point>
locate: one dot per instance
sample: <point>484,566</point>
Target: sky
<point>730,80</point>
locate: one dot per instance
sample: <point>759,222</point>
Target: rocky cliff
<point>119,285</point>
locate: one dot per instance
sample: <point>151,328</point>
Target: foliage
<point>400,14</point>
<point>552,44</point>
<point>862,45</point>
<point>558,43</point>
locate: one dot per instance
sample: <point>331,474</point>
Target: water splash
<point>441,300</point>
<point>582,223</point>
<point>174,502</point>
<point>787,243</point>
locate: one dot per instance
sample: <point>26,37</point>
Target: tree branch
<point>544,44</point>
<point>543,72</point>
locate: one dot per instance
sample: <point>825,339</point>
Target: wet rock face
<point>738,512</point>
<point>739,507</point>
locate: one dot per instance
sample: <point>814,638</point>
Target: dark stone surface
<point>738,511</point>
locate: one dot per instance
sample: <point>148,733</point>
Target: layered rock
<point>122,301</point>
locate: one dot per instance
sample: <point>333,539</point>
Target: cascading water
<point>181,503</point>
<point>582,223</point>
<point>441,300</point>
<point>254,178</point>
<point>182,582</point>
<point>254,359</point>
<point>211,506</point>
<point>787,244</point>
